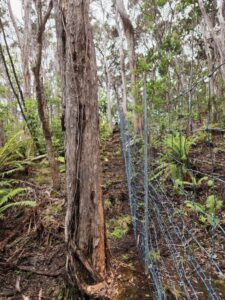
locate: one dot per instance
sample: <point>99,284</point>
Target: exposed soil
<point>132,283</point>
<point>32,249</point>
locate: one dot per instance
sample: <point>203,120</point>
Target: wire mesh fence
<point>180,238</point>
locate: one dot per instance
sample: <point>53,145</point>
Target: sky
<point>16,7</point>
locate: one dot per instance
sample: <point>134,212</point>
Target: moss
<point>219,285</point>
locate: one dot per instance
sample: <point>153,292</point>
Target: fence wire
<point>178,261</point>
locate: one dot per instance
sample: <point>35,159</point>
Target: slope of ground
<point>32,248</point>
<point>131,281</point>
<point>198,238</point>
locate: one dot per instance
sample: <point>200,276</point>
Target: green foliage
<point>62,166</point>
<point>182,4</point>
<point>43,176</point>
<point>161,2</point>
<point>154,255</point>
<point>57,134</point>
<point>142,66</point>
<point>54,105</point>
<point>177,147</point>
<point>50,212</point>
<point>159,88</point>
<point>104,130</point>
<point>7,194</point>
<point>213,204</point>
<point>117,228</point>
<point>33,121</point>
<point>174,162</point>
<point>107,204</point>
<point>207,211</point>
<point>194,182</point>
<point>102,103</point>
<point>172,292</point>
<point>172,43</point>
<point>13,155</point>
<point>3,91</point>
<point>210,183</point>
<point>163,66</point>
<point>125,257</point>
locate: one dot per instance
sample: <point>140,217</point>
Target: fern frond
<point>9,194</point>
<point>28,203</point>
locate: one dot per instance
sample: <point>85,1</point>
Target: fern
<point>20,203</point>
<point>13,156</point>
<point>178,147</point>
<point>173,164</point>
<point>7,194</point>
<point>7,183</point>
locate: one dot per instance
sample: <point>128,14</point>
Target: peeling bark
<point>129,34</point>
<point>84,225</point>
<point>122,67</point>
<point>217,37</point>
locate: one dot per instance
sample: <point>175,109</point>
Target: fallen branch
<point>55,273</point>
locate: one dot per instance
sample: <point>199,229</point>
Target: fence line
<point>154,224</point>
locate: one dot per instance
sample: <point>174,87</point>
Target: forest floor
<point>202,240</point>
<point>32,248</point>
<point>132,283</point>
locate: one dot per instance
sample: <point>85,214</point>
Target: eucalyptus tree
<point>214,28</point>
<point>24,39</point>
<point>129,32</point>
<point>84,226</point>
<point>104,45</point>
<point>39,86</point>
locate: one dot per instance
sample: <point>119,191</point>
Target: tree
<point>129,34</point>
<point>122,66</point>
<point>84,226</point>
<point>217,37</point>
<point>24,42</point>
<point>15,86</point>
<point>42,106</point>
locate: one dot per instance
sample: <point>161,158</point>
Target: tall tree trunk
<point>210,54</point>
<point>129,34</point>
<point>24,41</point>
<point>108,92</point>
<point>17,90</point>
<point>42,105</point>
<point>122,66</point>
<point>84,228</point>
<point>2,133</point>
<point>218,38</point>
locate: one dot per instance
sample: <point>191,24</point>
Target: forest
<point>112,149</point>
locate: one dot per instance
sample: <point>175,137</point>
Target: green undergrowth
<point>8,194</point>
<point>118,227</point>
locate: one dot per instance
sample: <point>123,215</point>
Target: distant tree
<point>130,38</point>
<point>24,39</point>
<point>42,105</point>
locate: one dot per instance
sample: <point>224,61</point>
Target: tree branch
<point>14,24</point>
<point>12,65</point>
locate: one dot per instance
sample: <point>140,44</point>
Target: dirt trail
<point>32,249</point>
<point>132,283</point>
